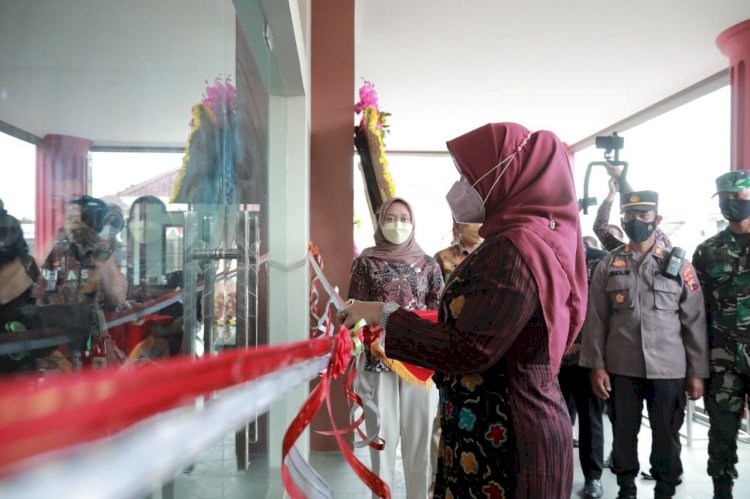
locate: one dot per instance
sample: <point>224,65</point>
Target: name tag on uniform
<point>619,272</point>
<point>382,272</point>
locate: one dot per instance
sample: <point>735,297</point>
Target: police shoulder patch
<point>688,276</point>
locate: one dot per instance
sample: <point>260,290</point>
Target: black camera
<point>610,142</point>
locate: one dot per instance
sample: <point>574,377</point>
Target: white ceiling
<point>120,73</point>
<point>127,73</point>
<point>574,67</point>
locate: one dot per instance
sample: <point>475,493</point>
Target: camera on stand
<point>611,145</point>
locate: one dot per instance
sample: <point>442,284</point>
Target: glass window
<point>18,159</point>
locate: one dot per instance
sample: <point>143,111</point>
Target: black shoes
<point>593,489</point>
<point>722,490</point>
<point>628,489</point>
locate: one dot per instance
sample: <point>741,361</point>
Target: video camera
<point>611,145</point>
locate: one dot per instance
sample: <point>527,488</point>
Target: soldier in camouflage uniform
<point>722,265</point>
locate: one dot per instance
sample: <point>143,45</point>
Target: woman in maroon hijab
<point>507,315</point>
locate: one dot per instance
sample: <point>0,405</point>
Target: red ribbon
<point>341,361</point>
<point>84,406</point>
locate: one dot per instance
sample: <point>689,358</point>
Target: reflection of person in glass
<point>506,316</point>
<point>81,266</point>
<point>160,335</point>
<point>81,269</point>
<point>18,276</point>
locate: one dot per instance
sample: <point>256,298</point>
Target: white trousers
<point>406,413</point>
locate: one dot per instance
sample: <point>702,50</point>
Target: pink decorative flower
<point>219,97</point>
<point>368,97</point>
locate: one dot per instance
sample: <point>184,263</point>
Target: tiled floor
<point>215,475</point>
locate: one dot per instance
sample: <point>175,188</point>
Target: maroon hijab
<point>406,252</point>
<point>534,205</point>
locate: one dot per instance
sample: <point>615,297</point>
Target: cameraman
<point>81,267</point>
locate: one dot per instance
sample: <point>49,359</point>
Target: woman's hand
<point>367,310</point>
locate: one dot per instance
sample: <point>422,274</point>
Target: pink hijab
<point>406,252</point>
<point>534,205</point>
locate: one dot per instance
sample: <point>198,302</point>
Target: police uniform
<point>722,265</point>
<point>649,332</point>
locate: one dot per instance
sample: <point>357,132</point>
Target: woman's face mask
<point>465,202</point>
<point>396,232</point>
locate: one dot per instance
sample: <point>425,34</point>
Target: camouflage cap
<point>733,181</point>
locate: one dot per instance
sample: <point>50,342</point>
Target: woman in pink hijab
<point>507,314</point>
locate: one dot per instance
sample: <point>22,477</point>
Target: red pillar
<point>331,159</point>
<point>61,174</point>
<point>735,44</point>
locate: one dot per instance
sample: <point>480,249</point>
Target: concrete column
<point>735,44</point>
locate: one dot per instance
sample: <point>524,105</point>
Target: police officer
<point>722,265</point>
<point>645,338</point>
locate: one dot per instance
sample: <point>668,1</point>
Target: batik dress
<point>506,432</point>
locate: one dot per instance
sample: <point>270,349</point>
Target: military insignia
<point>620,298</point>
<point>658,251</point>
<point>382,272</point>
<point>635,198</point>
<point>619,263</point>
<point>418,270</point>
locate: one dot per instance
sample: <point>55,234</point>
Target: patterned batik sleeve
<point>359,285</point>
<point>434,283</point>
<point>601,227</point>
<point>486,317</point>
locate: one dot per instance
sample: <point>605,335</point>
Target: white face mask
<point>466,205</point>
<point>396,232</point>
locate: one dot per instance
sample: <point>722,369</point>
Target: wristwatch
<point>385,312</point>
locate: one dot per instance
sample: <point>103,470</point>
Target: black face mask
<point>735,210</point>
<point>639,231</point>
